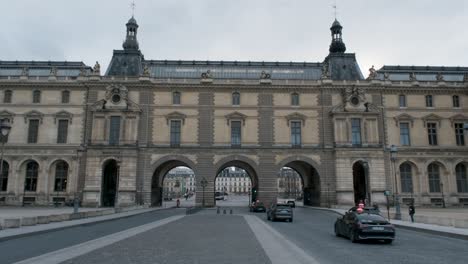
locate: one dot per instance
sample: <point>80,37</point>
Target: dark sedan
<point>257,207</point>
<point>362,226</point>
<point>280,212</point>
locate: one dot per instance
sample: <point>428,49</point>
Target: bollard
<point>217,211</point>
<point>224,211</point>
<point>230,212</point>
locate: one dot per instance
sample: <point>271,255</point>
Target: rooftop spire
<point>131,42</point>
<point>337,45</point>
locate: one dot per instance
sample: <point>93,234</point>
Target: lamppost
<point>442,192</point>
<point>393,153</point>
<point>5,128</point>
<point>203,183</point>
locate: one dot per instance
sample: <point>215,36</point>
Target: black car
<point>280,212</point>
<point>291,203</point>
<point>257,207</point>
<point>362,226</point>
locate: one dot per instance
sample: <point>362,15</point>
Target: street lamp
<point>203,183</point>
<point>442,192</point>
<point>5,128</point>
<point>393,153</point>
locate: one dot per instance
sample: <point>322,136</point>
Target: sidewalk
<point>448,231</point>
<point>18,221</point>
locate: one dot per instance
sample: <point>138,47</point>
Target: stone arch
<point>107,159</point>
<point>5,177</point>
<point>244,163</point>
<point>51,169</point>
<point>460,176</point>
<point>361,181</point>
<point>308,169</point>
<point>160,168</point>
<point>109,182</point>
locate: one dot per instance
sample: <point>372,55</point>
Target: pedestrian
<point>178,203</point>
<point>411,211</point>
<point>361,204</point>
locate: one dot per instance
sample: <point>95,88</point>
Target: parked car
<point>257,207</point>
<point>362,226</point>
<point>291,203</point>
<point>280,212</point>
<point>219,196</point>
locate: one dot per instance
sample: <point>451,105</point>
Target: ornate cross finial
<point>132,5</point>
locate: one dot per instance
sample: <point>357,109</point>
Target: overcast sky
<point>380,32</point>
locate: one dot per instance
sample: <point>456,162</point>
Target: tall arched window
<point>32,171</point>
<point>462,181</point>
<point>406,176</point>
<point>235,98</point>
<point>7,96</point>
<point>61,176</point>
<point>4,176</point>
<point>295,99</point>
<point>176,98</point>
<point>36,96</point>
<point>433,172</point>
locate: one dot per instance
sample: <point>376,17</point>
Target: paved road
<point>26,247</point>
<point>210,238</point>
<point>312,230</point>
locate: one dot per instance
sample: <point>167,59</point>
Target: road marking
<point>88,246</point>
<point>278,248</point>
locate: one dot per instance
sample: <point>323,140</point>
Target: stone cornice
<point>235,116</point>
<point>296,117</point>
<point>404,117</point>
<point>175,116</point>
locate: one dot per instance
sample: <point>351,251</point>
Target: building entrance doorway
<point>359,183</point>
<point>109,183</point>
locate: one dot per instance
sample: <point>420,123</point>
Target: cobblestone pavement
<point>200,238</point>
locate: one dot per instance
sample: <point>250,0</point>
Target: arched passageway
<point>239,180</point>
<point>309,182</point>
<point>109,187</point>
<point>173,180</point>
<point>360,183</point>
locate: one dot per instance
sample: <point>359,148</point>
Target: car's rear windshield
<point>371,217</point>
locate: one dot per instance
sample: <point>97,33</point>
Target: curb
<point>58,228</point>
<point>412,228</point>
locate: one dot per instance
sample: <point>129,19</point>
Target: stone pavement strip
<point>83,248</point>
<point>278,248</point>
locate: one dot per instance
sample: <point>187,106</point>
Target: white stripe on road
<point>277,247</point>
<point>88,246</point>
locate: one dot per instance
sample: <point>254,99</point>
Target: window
<point>432,133</point>
<point>295,99</point>
<point>296,133</point>
<point>36,96</point>
<point>406,178</point>
<point>434,177</point>
<point>62,132</point>
<point>462,179</point>
<point>176,98</point>
<point>235,133</point>
<point>235,98</point>
<point>61,175</point>
<point>175,133</point>
<point>429,101</point>
<point>404,134</point>
<point>356,131</point>
<point>4,176</point>
<point>402,99</point>
<point>114,133</point>
<point>459,134</point>
<point>30,183</point>
<point>33,130</point>
<point>65,97</point>
<point>456,101</point>
<point>7,96</point>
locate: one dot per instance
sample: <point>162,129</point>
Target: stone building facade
<point>125,129</point>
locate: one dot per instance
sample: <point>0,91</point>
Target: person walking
<point>411,211</point>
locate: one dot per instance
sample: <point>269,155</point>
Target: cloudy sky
<point>390,32</point>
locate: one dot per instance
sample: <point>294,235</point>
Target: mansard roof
<point>422,73</point>
<point>41,68</point>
